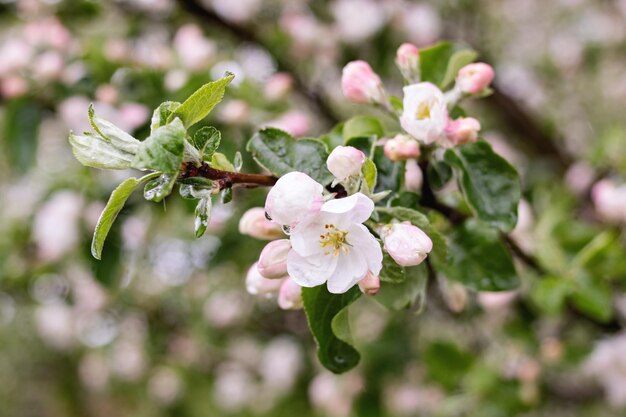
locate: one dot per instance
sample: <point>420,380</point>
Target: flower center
<point>423,111</point>
<point>335,240</point>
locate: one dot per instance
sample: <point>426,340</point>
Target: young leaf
<point>360,126</point>
<point>321,307</point>
<point>163,149</point>
<point>111,210</point>
<point>457,61</point>
<point>410,292</point>
<point>226,196</point>
<point>363,143</point>
<point>207,140</point>
<point>203,216</point>
<point>113,134</point>
<point>490,185</point>
<point>391,272</point>
<point>369,174</point>
<point>478,259</point>
<point>280,153</point>
<point>200,103</point>
<point>95,152</point>
<point>157,189</point>
<point>161,114</point>
<point>220,161</point>
<point>438,174</point>
<point>440,63</point>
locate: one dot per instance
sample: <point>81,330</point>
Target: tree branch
<point>226,179</point>
<point>319,103</point>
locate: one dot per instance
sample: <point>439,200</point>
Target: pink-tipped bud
<point>462,130</point>
<point>609,200</point>
<point>273,260</point>
<point>13,86</point>
<point>361,84</point>
<point>278,86</point>
<point>474,78</point>
<point>254,223</point>
<point>407,244</point>
<point>257,284</point>
<point>408,61</point>
<point>290,295</point>
<point>345,161</point>
<point>413,176</point>
<point>370,284</point>
<point>402,147</point>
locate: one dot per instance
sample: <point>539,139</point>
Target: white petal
<point>351,268</point>
<point>305,239</point>
<point>364,242</point>
<point>310,271</point>
<point>354,209</point>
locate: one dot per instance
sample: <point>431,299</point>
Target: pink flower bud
<point>13,86</point>
<point>254,223</point>
<point>609,201</point>
<point>413,177</point>
<point>408,61</point>
<point>294,199</point>
<point>107,93</point>
<point>278,86</point>
<point>370,284</point>
<point>273,260</point>
<point>361,84</point>
<point>462,130</point>
<point>290,295</point>
<point>345,161</point>
<point>401,147</point>
<point>407,244</point>
<point>257,284</point>
<point>474,78</point>
<point>294,122</point>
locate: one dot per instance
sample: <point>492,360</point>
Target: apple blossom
<point>294,199</point>
<point>273,259</point>
<point>413,176</point>
<point>257,284</point>
<point>370,284</point>
<point>407,244</point>
<point>401,147</point>
<point>609,200</point>
<point>408,61</point>
<point>345,162</point>
<point>462,130</point>
<point>425,114</point>
<point>360,84</point>
<point>290,295</point>
<point>255,224</point>
<point>334,247</point>
<point>474,78</point>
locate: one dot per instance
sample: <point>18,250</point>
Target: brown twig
<point>226,179</point>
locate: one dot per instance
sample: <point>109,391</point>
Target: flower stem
<point>226,179</point>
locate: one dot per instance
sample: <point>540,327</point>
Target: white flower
<point>425,113</point>
<point>334,247</point>
<point>294,199</point>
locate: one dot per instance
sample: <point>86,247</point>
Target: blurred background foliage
<point>162,326</point>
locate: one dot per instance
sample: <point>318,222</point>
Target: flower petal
<point>310,271</point>
<point>354,209</point>
<point>351,268</point>
<point>306,239</point>
<point>364,242</point>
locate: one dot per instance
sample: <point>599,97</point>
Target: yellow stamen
<point>423,111</point>
<point>334,239</point>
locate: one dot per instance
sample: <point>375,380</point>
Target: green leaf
<point>489,183</point>
<point>440,63</point>
<point>458,60</point>
<point>391,272</point>
<point>95,152</point>
<point>113,134</point>
<point>161,114</point>
<point>207,140</point>
<point>321,308</point>
<point>200,103</point>
<point>163,149</point>
<point>405,214</point>
<point>478,259</point>
<point>333,138</point>
<point>157,189</point>
<point>220,161</point>
<point>20,123</point>
<point>369,174</point>
<point>397,104</point>
<point>226,195</point>
<point>280,153</point>
<point>389,174</point>
<point>550,293</point>
<point>407,293</point>
<point>438,174</point>
<point>363,143</point>
<point>202,216</point>
<point>594,297</point>
<point>362,126</point>
<point>446,363</point>
<point>111,210</point>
